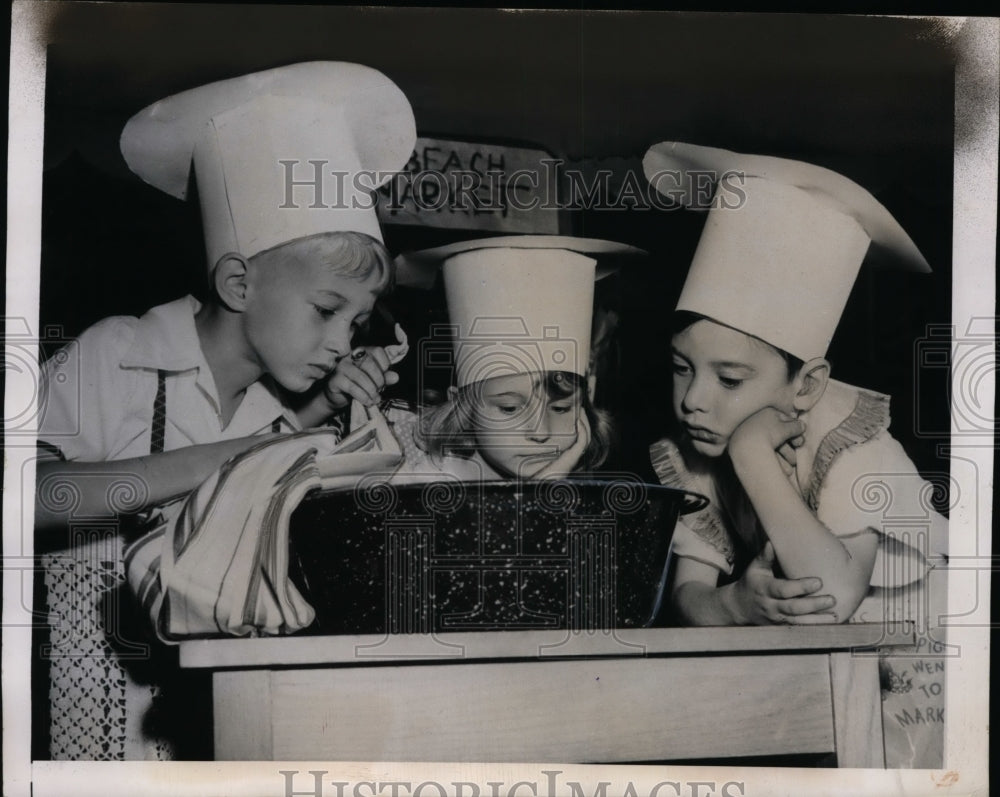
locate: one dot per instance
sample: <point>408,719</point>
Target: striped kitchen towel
<point>216,563</point>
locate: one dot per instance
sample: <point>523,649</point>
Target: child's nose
<point>541,431</point>
<point>338,343</point>
<point>696,397</point>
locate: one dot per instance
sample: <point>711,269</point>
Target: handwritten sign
<point>468,186</point>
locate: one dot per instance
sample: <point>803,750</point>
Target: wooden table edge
<point>361,650</point>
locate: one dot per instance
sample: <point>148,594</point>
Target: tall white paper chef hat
<point>782,244</point>
<point>519,304</point>
<point>341,129</point>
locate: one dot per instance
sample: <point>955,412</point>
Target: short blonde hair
<point>354,255</point>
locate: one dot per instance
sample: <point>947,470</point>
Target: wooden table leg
<point>243,718</point>
<point>857,710</point>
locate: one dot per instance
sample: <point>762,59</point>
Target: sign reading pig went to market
<point>464,185</point>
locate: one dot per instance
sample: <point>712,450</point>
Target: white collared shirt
<point>98,392</point>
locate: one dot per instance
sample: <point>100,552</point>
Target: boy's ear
<point>230,280</point>
<point>811,383</point>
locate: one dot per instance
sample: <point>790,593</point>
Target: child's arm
<point>758,598</point>
<point>126,486</point>
<point>804,546</point>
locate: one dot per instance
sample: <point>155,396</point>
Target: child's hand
<point>767,430</point>
<point>365,373</point>
<point>564,464</point>
<point>764,599</point>
<point>362,375</point>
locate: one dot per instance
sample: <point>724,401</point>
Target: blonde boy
<point>156,404</point>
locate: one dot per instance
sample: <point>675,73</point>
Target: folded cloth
<point>217,562</point>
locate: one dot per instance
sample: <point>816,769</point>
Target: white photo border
<point>974,257</point>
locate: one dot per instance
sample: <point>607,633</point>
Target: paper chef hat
<point>277,155</point>
<point>782,244</point>
<point>519,304</point>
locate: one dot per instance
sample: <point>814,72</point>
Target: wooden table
<point>637,695</point>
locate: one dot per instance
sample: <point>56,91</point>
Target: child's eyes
<point>561,409</point>
<point>326,313</point>
<point>729,383</point>
<point>508,409</point>
<point>681,368</point>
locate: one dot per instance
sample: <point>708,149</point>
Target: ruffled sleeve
<point>701,535</point>
<point>863,482</point>
<point>869,417</point>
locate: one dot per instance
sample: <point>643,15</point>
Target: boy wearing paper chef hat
<point>521,309</point>
<point>784,452</point>
<point>296,263</point>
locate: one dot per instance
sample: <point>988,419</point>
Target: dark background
<point>870,97</point>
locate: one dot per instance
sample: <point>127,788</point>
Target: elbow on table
<point>847,597</point>
<point>698,604</point>
<point>850,586</point>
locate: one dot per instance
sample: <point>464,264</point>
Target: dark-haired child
<point>795,463</point>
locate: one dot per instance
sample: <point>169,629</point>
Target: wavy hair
<point>449,428</point>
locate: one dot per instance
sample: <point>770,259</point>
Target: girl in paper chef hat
<point>521,309</point>
<point>296,264</point>
<point>785,453</point>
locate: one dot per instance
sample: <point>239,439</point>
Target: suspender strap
<point>159,414</point>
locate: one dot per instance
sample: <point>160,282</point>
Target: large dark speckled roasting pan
<point>470,556</point>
